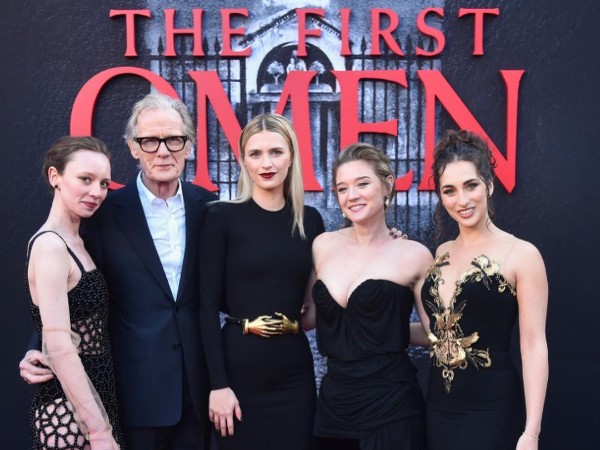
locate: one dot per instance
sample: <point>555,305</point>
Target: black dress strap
<point>71,252</point>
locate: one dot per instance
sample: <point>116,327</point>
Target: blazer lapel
<point>193,212</point>
<point>133,222</point>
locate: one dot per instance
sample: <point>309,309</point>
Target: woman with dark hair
<point>478,286</point>
<point>255,266</point>
<point>77,407</point>
<point>364,294</point>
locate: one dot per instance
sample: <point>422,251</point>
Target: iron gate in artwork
<point>378,101</point>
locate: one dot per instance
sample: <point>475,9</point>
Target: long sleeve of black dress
<point>253,264</point>
<point>213,257</point>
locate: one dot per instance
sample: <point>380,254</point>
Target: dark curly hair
<point>462,145</point>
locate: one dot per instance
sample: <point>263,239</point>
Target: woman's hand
<point>396,233</point>
<point>527,441</point>
<point>222,405</point>
<point>103,440</point>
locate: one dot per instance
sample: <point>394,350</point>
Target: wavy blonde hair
<point>293,187</point>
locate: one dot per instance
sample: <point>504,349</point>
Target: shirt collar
<point>148,198</point>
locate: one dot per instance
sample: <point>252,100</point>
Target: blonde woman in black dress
<point>255,265</point>
<point>365,293</point>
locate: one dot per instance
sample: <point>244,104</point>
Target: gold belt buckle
<point>270,325</point>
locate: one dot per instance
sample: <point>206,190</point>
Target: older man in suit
<point>144,238</point>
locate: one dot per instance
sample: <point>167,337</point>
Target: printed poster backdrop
<point>392,73</point>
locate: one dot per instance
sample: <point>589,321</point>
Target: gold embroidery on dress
<point>450,348</point>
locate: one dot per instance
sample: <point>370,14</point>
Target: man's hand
<point>32,368</point>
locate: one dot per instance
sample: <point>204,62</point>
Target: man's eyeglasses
<point>151,144</point>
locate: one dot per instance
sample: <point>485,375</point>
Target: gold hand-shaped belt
<point>267,326</point>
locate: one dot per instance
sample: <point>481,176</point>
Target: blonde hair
<point>293,187</point>
<point>374,157</point>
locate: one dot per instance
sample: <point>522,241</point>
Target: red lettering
<point>302,13</point>
<point>171,31</point>
<point>350,127</point>
<point>432,32</point>
<point>295,92</point>
<point>377,32</point>
<point>228,32</point>
<point>345,32</point>
<point>210,88</point>
<point>82,114</point>
<point>130,26</point>
<point>479,16</point>
<point>295,89</point>
<point>436,87</point>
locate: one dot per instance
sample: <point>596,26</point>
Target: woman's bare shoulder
<point>524,252</point>
<point>329,238</point>
<point>45,242</point>
<point>415,247</point>
<point>443,248</point>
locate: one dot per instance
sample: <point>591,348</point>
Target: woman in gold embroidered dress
<point>478,286</point>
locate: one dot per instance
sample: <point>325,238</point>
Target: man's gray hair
<point>160,101</point>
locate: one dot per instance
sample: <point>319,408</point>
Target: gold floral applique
<point>450,348</point>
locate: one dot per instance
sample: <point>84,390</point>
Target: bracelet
<point>531,435</point>
<point>245,326</point>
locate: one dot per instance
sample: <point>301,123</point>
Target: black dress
<point>52,421</point>
<point>251,265</point>
<point>370,392</point>
<point>474,398</point>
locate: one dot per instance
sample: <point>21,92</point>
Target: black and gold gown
<point>369,394</point>
<point>53,424</point>
<point>252,265</point>
<point>475,398</point>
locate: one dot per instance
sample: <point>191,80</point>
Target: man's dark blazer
<point>152,334</point>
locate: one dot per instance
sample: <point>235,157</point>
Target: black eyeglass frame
<point>160,141</point>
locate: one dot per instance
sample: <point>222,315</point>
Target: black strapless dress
<point>370,392</point>
<point>475,399</point>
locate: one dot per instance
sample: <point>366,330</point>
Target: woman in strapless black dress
<point>77,407</point>
<point>367,282</point>
<point>478,286</point>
